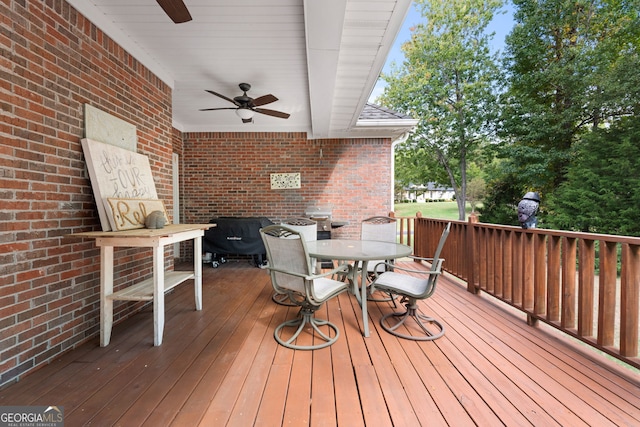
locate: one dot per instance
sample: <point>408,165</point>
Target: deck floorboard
<point>221,366</point>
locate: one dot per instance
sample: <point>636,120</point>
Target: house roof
<point>375,120</point>
<point>376,112</point>
<point>320,59</point>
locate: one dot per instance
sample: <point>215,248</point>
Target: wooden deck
<point>221,366</point>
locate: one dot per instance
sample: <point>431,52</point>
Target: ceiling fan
<point>246,106</point>
<point>176,10</point>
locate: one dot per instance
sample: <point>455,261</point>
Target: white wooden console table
<point>153,288</point>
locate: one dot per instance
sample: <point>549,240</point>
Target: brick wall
<point>52,61</point>
<point>228,174</point>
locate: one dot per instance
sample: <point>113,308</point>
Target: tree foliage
<point>448,81</point>
<point>602,196</point>
<point>573,68</point>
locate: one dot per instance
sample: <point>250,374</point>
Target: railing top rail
<point>562,233</point>
<point>557,233</point>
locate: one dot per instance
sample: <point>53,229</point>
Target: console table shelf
<point>143,291</point>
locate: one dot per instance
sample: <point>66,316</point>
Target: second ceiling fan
<point>176,10</point>
<point>246,106</point>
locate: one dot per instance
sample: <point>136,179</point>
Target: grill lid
<point>319,213</point>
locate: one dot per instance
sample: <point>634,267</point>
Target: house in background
<point>432,191</point>
<point>319,59</point>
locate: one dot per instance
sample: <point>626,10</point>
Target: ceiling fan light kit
<point>246,107</point>
<point>245,113</point>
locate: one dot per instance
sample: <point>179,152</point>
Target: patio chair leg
<point>432,328</point>
<point>390,297</point>
<point>306,318</point>
<point>282,299</point>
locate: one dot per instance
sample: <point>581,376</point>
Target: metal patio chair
<point>292,274</point>
<point>412,289</point>
<point>384,229</point>
<point>308,229</point>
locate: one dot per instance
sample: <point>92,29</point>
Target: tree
<point>448,81</point>
<point>601,196</point>
<point>475,191</point>
<point>413,165</point>
<point>572,67</point>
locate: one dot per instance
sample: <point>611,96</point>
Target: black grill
<point>235,236</point>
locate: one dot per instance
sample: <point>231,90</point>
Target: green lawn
<point>440,210</point>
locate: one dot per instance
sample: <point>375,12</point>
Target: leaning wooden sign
<point>118,173</point>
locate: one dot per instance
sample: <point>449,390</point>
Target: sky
<point>501,25</point>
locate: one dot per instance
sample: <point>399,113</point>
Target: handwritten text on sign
<point>126,177</point>
<point>130,214</point>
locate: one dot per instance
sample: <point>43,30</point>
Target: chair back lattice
<point>308,228</point>
<point>379,228</point>
<point>287,252</point>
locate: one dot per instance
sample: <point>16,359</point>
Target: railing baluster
<point>527,272</point>
<point>471,249</point>
<point>629,300</point>
<point>585,287</point>
<point>489,262</point>
<point>553,278</point>
<point>498,263</point>
<point>518,270</point>
<point>540,275</point>
<point>507,267</point>
<point>569,295</point>
<point>607,293</point>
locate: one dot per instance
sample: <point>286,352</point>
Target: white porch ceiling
<point>320,58</point>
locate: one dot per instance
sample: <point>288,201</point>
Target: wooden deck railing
<point>406,225</point>
<point>586,285</point>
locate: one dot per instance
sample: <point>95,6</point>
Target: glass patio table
<point>360,252</point>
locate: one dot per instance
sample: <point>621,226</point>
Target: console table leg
<point>158,294</point>
<point>197,271</point>
<point>106,289</point>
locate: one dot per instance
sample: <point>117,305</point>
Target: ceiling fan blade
<point>213,109</point>
<point>176,10</point>
<point>234,102</point>
<point>264,100</point>
<point>273,113</point>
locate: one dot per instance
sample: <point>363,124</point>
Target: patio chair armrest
<point>345,268</point>
<point>342,268</point>
<point>409,270</point>
<point>418,258</point>
<point>279,270</point>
